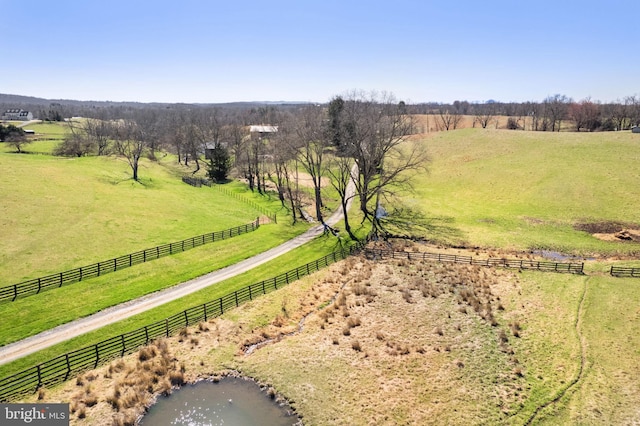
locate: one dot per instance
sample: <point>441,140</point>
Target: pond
<point>231,401</point>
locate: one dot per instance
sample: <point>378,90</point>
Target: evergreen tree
<point>219,163</point>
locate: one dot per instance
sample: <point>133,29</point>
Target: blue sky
<point>224,51</point>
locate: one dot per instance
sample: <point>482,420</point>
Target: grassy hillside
<point>62,213</point>
<point>526,190</point>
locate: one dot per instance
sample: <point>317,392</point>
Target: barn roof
<point>263,129</point>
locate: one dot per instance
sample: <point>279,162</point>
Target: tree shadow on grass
<point>405,222</point>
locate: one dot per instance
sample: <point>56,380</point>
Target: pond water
<point>557,256</point>
<point>231,401</point>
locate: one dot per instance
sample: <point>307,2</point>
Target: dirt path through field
<point>125,310</point>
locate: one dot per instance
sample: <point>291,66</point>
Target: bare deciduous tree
<point>447,119</point>
<point>375,132</point>
<point>485,115</point>
<point>310,142</point>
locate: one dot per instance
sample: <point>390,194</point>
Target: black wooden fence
<point>619,271</point>
<point>572,268</point>
<point>196,181</point>
<point>37,285</point>
<point>270,214</point>
<point>61,368</point>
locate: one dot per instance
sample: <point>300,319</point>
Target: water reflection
<point>232,401</point>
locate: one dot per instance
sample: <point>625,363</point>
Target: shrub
<point>353,322</point>
<point>90,400</point>
<point>146,353</point>
<point>176,378</point>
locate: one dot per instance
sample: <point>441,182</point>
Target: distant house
<point>17,115</point>
<point>635,129</point>
<point>263,130</point>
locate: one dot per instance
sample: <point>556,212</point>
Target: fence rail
<point>572,268</point>
<point>61,368</point>
<point>619,271</point>
<point>197,181</point>
<point>37,285</point>
<point>270,214</point>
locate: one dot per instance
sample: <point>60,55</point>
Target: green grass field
<point>526,190</point>
<point>489,189</point>
<point>62,213</point>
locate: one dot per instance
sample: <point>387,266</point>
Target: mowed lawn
<point>62,213</point>
<point>527,190</point>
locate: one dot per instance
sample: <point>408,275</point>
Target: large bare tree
<point>308,138</point>
<point>133,135</point>
<point>375,134</point>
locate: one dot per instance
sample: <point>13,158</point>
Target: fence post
<point>15,291</point>
<point>235,293</point>
<point>97,356</point>
<point>146,335</point>
<point>166,324</point>
<point>98,268</point>
<point>124,346</point>
<point>275,283</point>
<point>66,376</point>
<point>130,260</point>
<point>221,307</point>
<point>186,318</point>
<point>39,285</point>
<point>60,279</point>
<point>81,273</point>
<point>39,376</point>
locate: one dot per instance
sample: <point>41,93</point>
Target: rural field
<point>363,341</point>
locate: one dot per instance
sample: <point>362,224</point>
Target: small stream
<point>231,401</point>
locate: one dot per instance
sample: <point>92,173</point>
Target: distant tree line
<point>548,115</point>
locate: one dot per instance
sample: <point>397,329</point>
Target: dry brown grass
<point>364,355</point>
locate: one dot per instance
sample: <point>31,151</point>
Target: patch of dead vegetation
<point>398,320</point>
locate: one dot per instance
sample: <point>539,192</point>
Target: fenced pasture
<point>55,209</point>
<point>37,285</point>
<point>61,368</point>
